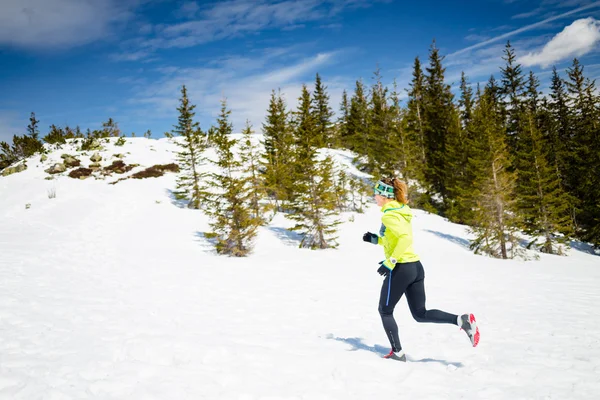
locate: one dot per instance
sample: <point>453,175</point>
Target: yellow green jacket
<point>396,235</point>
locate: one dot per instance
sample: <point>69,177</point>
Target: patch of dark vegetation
<point>119,167</point>
<point>80,173</point>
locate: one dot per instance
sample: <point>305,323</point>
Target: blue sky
<point>78,62</point>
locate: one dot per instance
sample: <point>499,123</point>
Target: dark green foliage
<point>22,146</point>
<point>278,144</point>
<point>584,152</point>
<point>233,221</point>
<point>413,118</point>
<point>459,150</point>
<point>440,125</point>
<point>314,207</point>
<point>191,185</point>
<point>56,135</point>
<point>495,219</point>
<point>250,159</point>
<point>542,201</point>
<point>322,115</point>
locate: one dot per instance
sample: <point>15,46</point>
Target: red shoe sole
<point>476,336</point>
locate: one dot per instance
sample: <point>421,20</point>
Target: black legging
<point>407,278</point>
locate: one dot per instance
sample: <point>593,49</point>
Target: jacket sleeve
<point>399,228</point>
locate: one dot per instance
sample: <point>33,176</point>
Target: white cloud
<point>575,40</point>
<point>525,28</point>
<point>40,24</point>
<point>247,90</point>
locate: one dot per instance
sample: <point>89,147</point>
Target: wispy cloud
<point>575,40</point>
<point>525,29</point>
<point>528,14</point>
<point>244,82</point>
<point>235,18</point>
<point>43,24</point>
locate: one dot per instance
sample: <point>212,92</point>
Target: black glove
<point>370,237</point>
<point>383,270</point>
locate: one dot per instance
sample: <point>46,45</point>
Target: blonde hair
<point>400,189</point>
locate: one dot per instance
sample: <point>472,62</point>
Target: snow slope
<point>111,292</point>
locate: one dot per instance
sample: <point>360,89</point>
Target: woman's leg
<point>392,289</point>
<point>415,296</point>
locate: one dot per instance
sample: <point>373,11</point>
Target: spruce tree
<point>358,121</point>
<point>314,208</point>
<point>513,87</point>
<point>542,204</point>
<point>440,123</point>
<point>191,180</point>
<point>306,133</point>
<point>460,181</point>
<point>250,158</point>
<point>560,137</point>
<point>278,150</point>
<point>343,133</point>
<point>585,152</point>
<point>322,115</point>
<point>414,118</point>
<point>382,148</point>
<point>232,221</point>
<point>404,159</point>
<point>55,136</point>
<point>495,220</point>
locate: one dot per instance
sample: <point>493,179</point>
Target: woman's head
<point>388,189</point>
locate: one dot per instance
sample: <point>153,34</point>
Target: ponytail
<point>400,189</point>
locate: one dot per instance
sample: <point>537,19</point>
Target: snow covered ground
<point>111,292</point>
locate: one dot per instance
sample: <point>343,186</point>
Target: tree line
<point>501,157</point>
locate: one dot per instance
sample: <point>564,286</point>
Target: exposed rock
<point>95,166</point>
<point>56,168</point>
<point>71,162</point>
<point>96,157</point>
<point>44,158</point>
<point>13,170</point>
<point>118,155</point>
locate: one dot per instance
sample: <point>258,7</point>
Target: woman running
<point>402,269</point>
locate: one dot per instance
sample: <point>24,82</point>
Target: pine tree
<point>22,146</point>
<point>191,181</point>
<point>440,123</point>
<point>343,133</point>
<point>585,152</point>
<point>542,202</point>
<point>513,87</point>
<point>278,145</point>
<point>358,121</point>
<point>322,115</point>
<point>460,181</point>
<point>306,133</point>
<point>232,221</point>
<point>405,148</point>
<point>495,219</point>
<point>382,149</point>
<point>559,132</point>
<point>413,119</point>
<point>314,208</point>
<point>250,158</point>
<point>55,136</point>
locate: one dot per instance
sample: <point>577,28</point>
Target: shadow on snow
<point>357,344</point>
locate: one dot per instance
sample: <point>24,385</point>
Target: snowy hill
<point>110,291</point>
